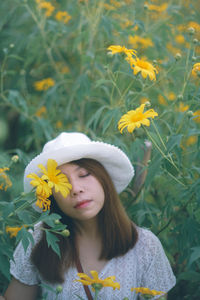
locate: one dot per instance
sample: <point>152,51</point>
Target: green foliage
<point>91,91</point>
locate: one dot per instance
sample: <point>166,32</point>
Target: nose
<point>76,188</point>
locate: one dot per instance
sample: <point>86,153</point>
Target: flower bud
<point>15,158</point>
<point>180,97</point>
<point>195,41</point>
<point>65,232</point>
<point>146,7</point>
<point>191,30</point>
<point>178,56</point>
<point>147,104</point>
<point>194,58</point>
<point>12,45</point>
<point>57,222</point>
<point>59,289</point>
<point>190,113</point>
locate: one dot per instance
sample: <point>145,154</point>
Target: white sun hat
<point>70,146</point>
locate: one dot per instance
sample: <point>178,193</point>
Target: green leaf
<point>195,255</point>
<point>52,242</point>
<point>25,237</point>
<point>173,141</point>
<point>16,99</point>
<point>5,266</point>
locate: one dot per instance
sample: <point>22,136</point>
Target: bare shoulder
<point>18,290</point>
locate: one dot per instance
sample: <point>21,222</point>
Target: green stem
<point>96,294</point>
<point>163,154</point>
<point>156,129</point>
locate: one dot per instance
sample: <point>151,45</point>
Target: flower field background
<point>59,73</point>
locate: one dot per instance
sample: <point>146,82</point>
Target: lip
<point>83,204</point>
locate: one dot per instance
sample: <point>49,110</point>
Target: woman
<point>102,237</point>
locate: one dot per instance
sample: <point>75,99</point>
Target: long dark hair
<point>118,233</point>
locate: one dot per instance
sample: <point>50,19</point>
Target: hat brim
<point>111,157</point>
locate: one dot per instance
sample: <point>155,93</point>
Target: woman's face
<point>86,198</point>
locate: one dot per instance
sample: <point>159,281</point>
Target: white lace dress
<point>146,265</point>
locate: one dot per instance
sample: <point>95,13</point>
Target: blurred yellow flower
<point>126,23</point>
<point>147,291</point>
<point>44,84</point>
<point>109,7</point>
<point>59,124</point>
<point>158,8</point>
<point>171,96</point>
<point>135,118</point>
<point>13,231</point>
<point>55,178</point>
<point>196,115</point>
<point>180,39</point>
<point>42,110</point>
<point>143,100</point>
<point>63,16</point>
<point>137,41</point>
<point>172,49</point>
<point>49,8</point>
<point>5,178</point>
<point>121,49</point>
<point>116,3</point>
<point>86,280</point>
<point>162,100</point>
<point>196,69</point>
<point>191,140</point>
<point>146,68</point>
<point>182,107</point>
<point>196,26</point>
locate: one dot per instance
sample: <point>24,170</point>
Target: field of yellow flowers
<point>125,71</point>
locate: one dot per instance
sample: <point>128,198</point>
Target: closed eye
<point>84,175</point>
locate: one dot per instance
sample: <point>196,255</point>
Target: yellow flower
<point>55,178</point>
<point>49,8</point>
<point>196,69</point>
<point>109,7</point>
<point>182,107</point>
<point>196,115</point>
<point>6,180</point>
<point>42,110</point>
<point>13,231</point>
<point>116,3</point>
<point>121,49</point>
<point>86,280</point>
<point>162,100</point>
<point>63,16</point>
<point>146,291</point>
<point>137,41</point>
<point>42,187</point>
<point>180,39</point>
<point>158,8</point>
<point>59,124</point>
<point>44,84</point>
<point>135,118</point>
<point>143,100</point>
<point>171,96</point>
<point>172,49</point>
<point>146,68</point>
<point>43,202</point>
<point>191,140</point>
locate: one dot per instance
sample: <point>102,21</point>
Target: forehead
<point>69,167</point>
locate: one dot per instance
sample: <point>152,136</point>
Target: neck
<point>88,228</point>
